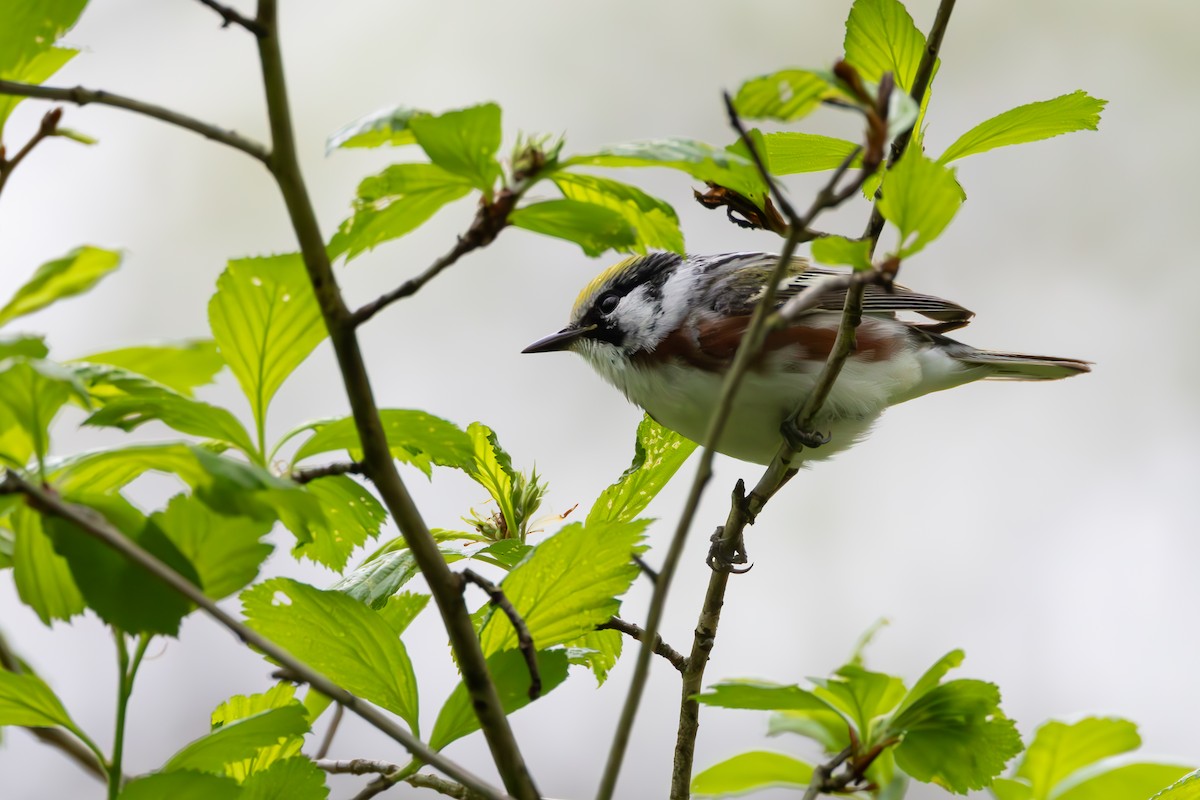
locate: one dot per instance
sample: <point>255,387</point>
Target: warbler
<point>664,330</point>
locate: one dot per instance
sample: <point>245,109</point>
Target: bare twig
<point>232,17</point>
<point>356,766</point>
<point>81,96</point>
<point>661,648</point>
<point>47,128</point>
<point>334,723</point>
<point>822,774</point>
<point>310,474</point>
<point>524,639</point>
<point>443,584</point>
<point>93,524</point>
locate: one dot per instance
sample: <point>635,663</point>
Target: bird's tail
<point>1020,367</point>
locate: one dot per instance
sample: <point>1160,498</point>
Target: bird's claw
<point>727,555</point>
<point>798,437</point>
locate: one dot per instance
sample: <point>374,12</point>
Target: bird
<point>664,328</point>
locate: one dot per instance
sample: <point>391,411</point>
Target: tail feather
<point>1020,367</point>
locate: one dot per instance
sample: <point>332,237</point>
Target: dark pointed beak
<point>559,341</point>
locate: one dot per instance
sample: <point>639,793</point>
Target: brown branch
<point>661,648</point>
<point>356,766</point>
<point>330,732</point>
<point>310,474</point>
<point>821,777</point>
<point>47,128</point>
<point>524,639</point>
<point>232,17</point>
<point>82,97</point>
<point>91,523</point>
<point>377,458</point>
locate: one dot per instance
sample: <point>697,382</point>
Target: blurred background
<point>1049,530</point>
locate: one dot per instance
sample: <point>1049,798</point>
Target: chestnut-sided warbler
<point>664,330</point>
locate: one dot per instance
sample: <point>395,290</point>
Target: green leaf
<point>595,228</point>
<point>785,96</point>
<point>932,678</point>
<point>702,161</point>
<point>1060,748</point>
<point>401,609</point>
<point>379,578</point>
<point>881,37</point>
<point>75,136</point>
<point>240,707</point>
<point>182,785</point>
<point>225,551</point>
<point>23,344</point>
<point>338,636</point>
<point>571,583</point>
<point>751,772</point>
<point>121,592</point>
<point>31,28</point>
<point>27,701</point>
<point>74,273</point>
<point>1009,789</point>
<point>241,740</point>
<point>393,203</point>
<point>1186,788</point>
<point>920,197</point>
<point>763,696</point>
<point>291,779</point>
<point>956,736</point>
<point>511,677</point>
<point>413,437</point>
<point>1120,777</point>
<point>861,696</point>
<point>387,126</point>
<point>463,142</point>
<point>265,319</point>
<point>836,250</point>
<point>654,222</point>
<point>601,649</point>
<point>491,467</point>
<point>1033,122</point>
<point>791,152</point>
<point>35,70</point>
<point>351,515</point>
<point>657,455</point>
<point>181,366</point>
<point>42,576</point>
<point>822,725</point>
<point>31,393</point>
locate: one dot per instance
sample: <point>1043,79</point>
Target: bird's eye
<point>608,303</point>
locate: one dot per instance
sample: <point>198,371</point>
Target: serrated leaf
<point>387,126</point>
<point>571,583</point>
<point>349,515</point>
<point>338,636</point>
<point>861,696</point>
<point>240,740</point>
<point>1186,788</point>
<point>35,70</point>
<point>595,228</point>
<point>653,221</point>
<point>379,578</point>
<point>296,778</point>
<point>463,142</point>
<point>762,696</point>
<point>791,152</point>
<point>822,725</point>
<point>510,674</point>
<point>1119,777</point>
<point>239,707</point>
<point>31,28</point>
<point>702,161</point>
<point>122,593</point>
<point>601,650</point>
<point>74,273</point>
<point>265,320</point>
<point>401,609</point>
<point>225,551</point>
<point>1077,111</point>
<point>27,701</point>
<point>393,203</point>
<point>413,437</point>
<point>181,366</point>
<point>42,576</point>
<point>658,454</point>
<point>32,391</point>
<point>837,250</point>
<point>491,467</point>
<point>751,772</point>
<point>932,677</point>
<point>784,96</point>
<point>920,197</point>
<point>182,785</point>
<point>881,37</point>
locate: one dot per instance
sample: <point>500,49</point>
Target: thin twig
<point>93,524</point>
<point>310,474</point>
<point>232,17</point>
<point>443,584</point>
<point>47,128</point>
<point>330,732</point>
<point>524,639</point>
<point>81,96</point>
<point>661,648</point>
<point>356,766</point>
<point>821,775</point>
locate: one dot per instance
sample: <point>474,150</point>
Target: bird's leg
<point>798,437</point>
<point>728,554</point>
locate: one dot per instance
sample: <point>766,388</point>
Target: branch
<point>47,128</point>
<point>93,524</point>
<point>661,648</point>
<point>377,458</point>
<point>820,780</point>
<point>524,639</point>
<point>82,97</point>
<point>232,17</point>
<point>310,474</point>
<point>330,732</point>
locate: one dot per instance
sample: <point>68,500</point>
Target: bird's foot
<point>727,555</point>
<point>797,437</point>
